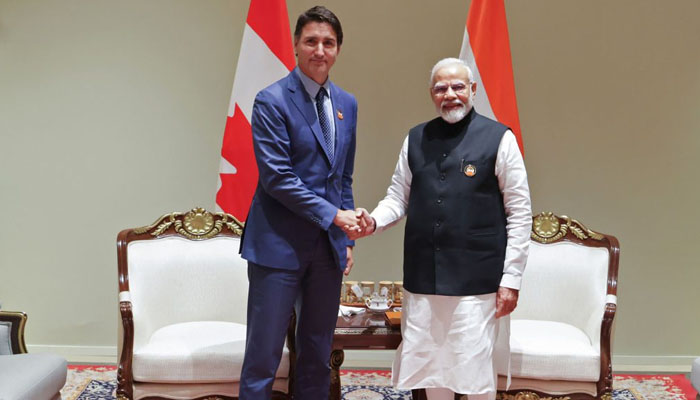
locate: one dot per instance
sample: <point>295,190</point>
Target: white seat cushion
<point>552,350</point>
<point>196,352</point>
<point>31,376</point>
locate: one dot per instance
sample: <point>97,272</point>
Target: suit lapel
<point>303,103</point>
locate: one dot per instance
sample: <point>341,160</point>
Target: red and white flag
<point>486,49</point>
<point>266,56</point>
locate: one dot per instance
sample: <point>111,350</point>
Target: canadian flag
<point>486,49</point>
<point>266,56</point>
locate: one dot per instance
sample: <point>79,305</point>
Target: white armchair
<point>561,330</point>
<point>24,376</point>
<point>183,291</point>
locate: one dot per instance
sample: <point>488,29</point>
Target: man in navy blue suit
<point>304,141</point>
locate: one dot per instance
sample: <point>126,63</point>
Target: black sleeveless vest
<point>455,237</point>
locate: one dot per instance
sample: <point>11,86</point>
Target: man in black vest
<point>461,183</point>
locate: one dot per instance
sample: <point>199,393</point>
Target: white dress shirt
<point>312,89</point>
<point>512,180</point>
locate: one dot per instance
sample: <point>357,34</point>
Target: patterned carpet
<point>99,383</point>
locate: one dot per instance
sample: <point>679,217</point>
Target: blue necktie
<point>325,122</point>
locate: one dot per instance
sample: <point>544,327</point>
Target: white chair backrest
<point>5,338</point>
<point>173,280</point>
<point>565,282</point>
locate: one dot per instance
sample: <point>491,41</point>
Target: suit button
<point>437,223</point>
<point>442,177</point>
<point>439,200</point>
<point>444,155</point>
<point>437,249</point>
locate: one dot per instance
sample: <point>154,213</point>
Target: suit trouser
<point>314,291</point>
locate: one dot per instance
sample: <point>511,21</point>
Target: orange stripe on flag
<point>269,19</point>
<point>488,38</point>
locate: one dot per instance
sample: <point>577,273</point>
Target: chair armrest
<point>125,296</point>
<point>605,382</point>
<point>16,321</point>
<point>611,299</point>
<point>125,378</point>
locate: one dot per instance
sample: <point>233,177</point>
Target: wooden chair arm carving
<point>17,321</point>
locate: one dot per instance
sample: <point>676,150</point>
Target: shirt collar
<point>311,86</point>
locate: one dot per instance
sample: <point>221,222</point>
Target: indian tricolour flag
<point>486,49</point>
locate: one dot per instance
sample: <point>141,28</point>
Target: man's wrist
<point>336,218</point>
<point>511,281</point>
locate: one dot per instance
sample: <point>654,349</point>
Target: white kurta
<point>448,341</point>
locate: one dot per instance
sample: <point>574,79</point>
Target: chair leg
<point>337,357</point>
<point>281,396</point>
<point>419,394</point>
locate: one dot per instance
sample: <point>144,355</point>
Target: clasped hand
<point>355,223</point>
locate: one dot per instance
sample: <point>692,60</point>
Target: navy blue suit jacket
<point>299,190</point>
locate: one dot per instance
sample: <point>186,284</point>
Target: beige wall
<point>112,113</point>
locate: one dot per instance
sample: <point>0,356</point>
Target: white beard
<point>456,114</point>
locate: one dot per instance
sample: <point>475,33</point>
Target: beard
<point>455,115</point>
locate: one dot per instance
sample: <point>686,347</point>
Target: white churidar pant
<point>449,341</point>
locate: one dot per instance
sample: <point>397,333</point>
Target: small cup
<point>367,289</point>
<point>378,303</point>
<point>347,294</point>
<point>398,292</point>
<point>386,288</point>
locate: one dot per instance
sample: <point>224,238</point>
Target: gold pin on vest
<point>470,170</point>
<point>340,114</point>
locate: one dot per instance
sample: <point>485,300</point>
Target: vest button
<point>437,249</point>
<point>442,177</point>
<point>439,200</point>
<point>437,223</point>
<point>444,155</point>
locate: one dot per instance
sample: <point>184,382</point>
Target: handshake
<point>355,223</point>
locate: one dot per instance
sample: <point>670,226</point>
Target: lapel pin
<point>340,114</point>
<point>470,170</point>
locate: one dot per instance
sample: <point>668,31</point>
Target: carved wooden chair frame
<point>17,321</point>
<point>549,228</point>
<point>197,224</point>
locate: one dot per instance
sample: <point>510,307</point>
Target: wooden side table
<point>360,332</point>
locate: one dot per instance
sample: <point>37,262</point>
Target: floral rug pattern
<point>99,383</point>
